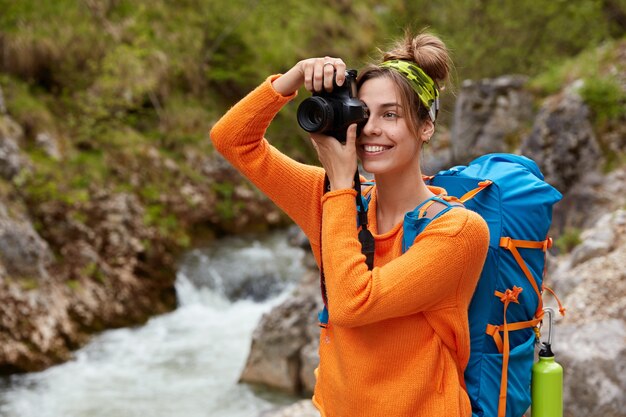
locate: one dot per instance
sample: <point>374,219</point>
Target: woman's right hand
<point>315,73</point>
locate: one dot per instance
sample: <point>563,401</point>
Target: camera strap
<point>365,236</point>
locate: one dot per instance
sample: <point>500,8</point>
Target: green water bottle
<point>547,382</point>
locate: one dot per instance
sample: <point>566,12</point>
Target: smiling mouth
<point>375,148</point>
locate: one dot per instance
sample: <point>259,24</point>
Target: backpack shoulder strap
<point>416,221</point>
<point>430,209</point>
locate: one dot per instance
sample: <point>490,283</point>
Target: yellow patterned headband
<point>420,82</point>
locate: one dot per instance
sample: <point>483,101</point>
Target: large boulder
<point>285,343</point>
<point>489,116</point>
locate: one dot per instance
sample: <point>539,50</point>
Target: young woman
<point>397,339</point>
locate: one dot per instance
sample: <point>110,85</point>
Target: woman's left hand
<point>339,160</point>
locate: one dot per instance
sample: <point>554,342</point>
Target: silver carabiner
<point>550,312</point>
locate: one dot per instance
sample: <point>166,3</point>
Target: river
<point>182,364</point>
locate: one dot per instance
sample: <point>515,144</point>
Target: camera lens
<point>315,114</point>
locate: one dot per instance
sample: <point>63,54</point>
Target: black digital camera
<point>332,112</point>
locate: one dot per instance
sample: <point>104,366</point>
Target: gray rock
<point>588,200</point>
<point>562,141</point>
<point>597,241</point>
<point>23,253</point>
<point>593,275</point>
<point>488,115</point>
<point>3,107</point>
<point>283,352</point>
<point>10,158</point>
<point>49,144</point>
<point>594,362</point>
<point>297,238</point>
<point>275,354</point>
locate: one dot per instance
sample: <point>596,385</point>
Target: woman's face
<point>386,143</point>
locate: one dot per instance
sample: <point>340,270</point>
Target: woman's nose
<point>371,128</point>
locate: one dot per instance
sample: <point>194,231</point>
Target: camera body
<point>332,112</point>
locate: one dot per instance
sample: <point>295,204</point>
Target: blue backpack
<point>510,193</point>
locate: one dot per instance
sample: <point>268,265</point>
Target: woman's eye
<point>389,115</point>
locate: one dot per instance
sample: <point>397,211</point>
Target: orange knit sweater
<point>398,338</point>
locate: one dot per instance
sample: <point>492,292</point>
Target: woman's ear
<point>426,130</point>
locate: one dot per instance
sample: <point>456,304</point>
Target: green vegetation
<point>28,283</point>
<point>130,87</point>
<point>73,284</point>
<point>604,63</point>
<point>605,97</point>
<point>568,240</point>
<point>494,37</point>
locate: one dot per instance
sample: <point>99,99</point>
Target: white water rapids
<point>182,364</point>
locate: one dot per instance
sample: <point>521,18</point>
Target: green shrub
<point>568,240</point>
<point>24,105</point>
<point>605,97</point>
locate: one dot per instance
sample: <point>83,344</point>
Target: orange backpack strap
<point>561,308</point>
<point>512,245</point>
<point>471,193</point>
<point>508,297</point>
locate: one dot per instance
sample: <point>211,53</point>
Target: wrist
<point>341,185</point>
<point>288,83</point>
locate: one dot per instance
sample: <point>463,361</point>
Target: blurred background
<point>135,263</point>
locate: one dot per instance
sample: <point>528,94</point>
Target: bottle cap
<point>546,351</point>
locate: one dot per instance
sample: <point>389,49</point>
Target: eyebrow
<point>391,105</point>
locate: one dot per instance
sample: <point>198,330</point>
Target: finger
<point>317,148</point>
<point>351,136</point>
<point>318,138</point>
<point>314,143</point>
<point>340,68</point>
<point>329,74</point>
<point>318,74</point>
<point>308,75</point>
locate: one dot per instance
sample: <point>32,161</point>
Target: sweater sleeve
<point>239,136</point>
<point>440,270</point>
